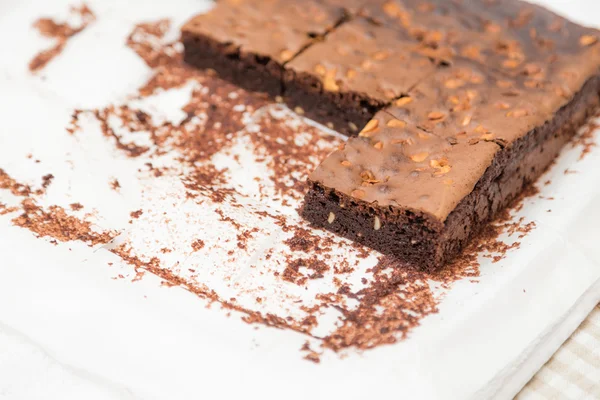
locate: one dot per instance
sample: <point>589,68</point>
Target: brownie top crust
<point>277,29</point>
<point>395,163</point>
<point>363,57</point>
<point>508,67</point>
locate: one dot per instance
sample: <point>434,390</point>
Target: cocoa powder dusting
<point>61,32</point>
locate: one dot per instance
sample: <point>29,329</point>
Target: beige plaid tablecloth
<point>574,371</point>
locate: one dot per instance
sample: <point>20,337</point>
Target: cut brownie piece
<point>248,41</point>
<point>357,70</point>
<point>426,175</point>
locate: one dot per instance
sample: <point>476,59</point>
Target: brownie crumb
<point>136,214</point>
<point>115,185</point>
<point>586,138</point>
<point>56,223</point>
<point>76,206</point>
<point>61,32</point>
<point>197,245</point>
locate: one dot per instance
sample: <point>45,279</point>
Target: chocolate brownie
<point>427,174</point>
<point>357,70</point>
<point>453,106</point>
<point>249,41</point>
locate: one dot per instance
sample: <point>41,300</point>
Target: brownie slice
<point>427,174</point>
<point>458,105</point>
<point>248,41</point>
<point>356,71</point>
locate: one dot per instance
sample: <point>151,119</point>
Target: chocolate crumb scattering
<point>16,188</point>
<point>61,32</point>
<point>136,214</point>
<point>197,245</point>
<point>586,138</point>
<point>145,40</point>
<point>56,223</point>
<point>393,298</point>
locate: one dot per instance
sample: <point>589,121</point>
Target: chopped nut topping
<point>329,82</point>
<point>380,55</point>
<point>299,110</point>
<point>454,83</point>
<point>466,120</point>
<point>331,218</point>
<point>352,126</point>
<point>480,129</point>
<point>487,136</point>
<point>407,141</point>
<point>588,40</point>
<point>436,116</point>
<point>402,101</point>
<point>346,163</point>
<point>423,135</point>
<point>369,128</point>
<point>359,194</point>
<point>472,52</point>
<point>562,92</point>
<point>502,105</point>
<point>511,63</point>
<point>520,112</point>
<point>366,65</point>
<point>441,166</point>
<point>419,157</point>
<point>286,55</point>
<point>396,123</point>
<point>350,74</point>
<point>378,145</point>
<point>377,223</point>
<point>320,69</point>
<point>389,94</point>
<point>448,182</point>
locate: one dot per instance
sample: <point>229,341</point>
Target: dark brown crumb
<point>76,206</point>
<point>315,267</point>
<point>115,185</point>
<point>16,188</point>
<point>143,40</point>
<point>4,209</point>
<point>47,180</point>
<point>197,245</point>
<point>56,223</point>
<point>136,214</point>
<point>586,138</point>
<point>61,32</point>
<point>311,355</point>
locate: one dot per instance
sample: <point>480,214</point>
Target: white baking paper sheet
<point>69,330</point>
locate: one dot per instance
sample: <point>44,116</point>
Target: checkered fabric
<point>574,371</point>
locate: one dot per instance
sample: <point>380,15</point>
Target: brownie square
<point>357,70</point>
<point>249,41</point>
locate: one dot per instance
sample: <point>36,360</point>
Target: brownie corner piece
<point>248,42</point>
